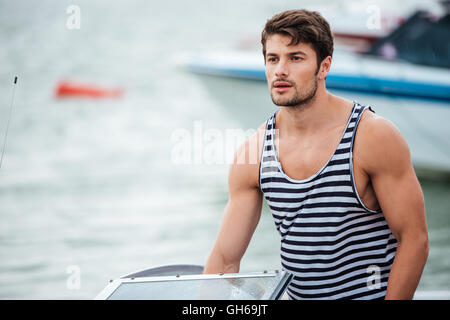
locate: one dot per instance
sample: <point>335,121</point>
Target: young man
<point>337,178</point>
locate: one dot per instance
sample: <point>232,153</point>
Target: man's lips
<point>282,86</point>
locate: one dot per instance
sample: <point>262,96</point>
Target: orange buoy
<point>69,89</point>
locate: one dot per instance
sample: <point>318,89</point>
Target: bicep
<point>401,200</point>
<point>394,181</point>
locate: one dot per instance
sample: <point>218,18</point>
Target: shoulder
<point>379,144</point>
<point>248,151</point>
<point>373,127</point>
<point>244,170</point>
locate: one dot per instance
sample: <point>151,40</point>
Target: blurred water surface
<point>90,183</point>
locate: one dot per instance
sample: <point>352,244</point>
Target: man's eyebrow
<point>297,52</point>
<point>289,53</point>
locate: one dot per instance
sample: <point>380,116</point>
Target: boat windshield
<point>422,39</point>
<point>254,286</point>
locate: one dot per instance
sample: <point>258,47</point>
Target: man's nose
<point>281,70</point>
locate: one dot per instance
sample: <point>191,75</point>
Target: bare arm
<point>386,159</point>
<point>241,216</point>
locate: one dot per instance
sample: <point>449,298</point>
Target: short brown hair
<point>302,26</point>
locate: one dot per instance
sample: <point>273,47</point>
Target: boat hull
<point>422,122</point>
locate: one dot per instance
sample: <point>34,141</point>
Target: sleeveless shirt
<point>334,245</point>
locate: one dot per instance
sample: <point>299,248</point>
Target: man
<point>337,178</point>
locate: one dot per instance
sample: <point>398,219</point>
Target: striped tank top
<point>334,245</point>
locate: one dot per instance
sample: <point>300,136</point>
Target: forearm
<point>217,264</point>
<point>410,259</point>
<point>240,220</point>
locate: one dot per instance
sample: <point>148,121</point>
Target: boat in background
<point>405,76</point>
<point>413,61</point>
<point>358,25</point>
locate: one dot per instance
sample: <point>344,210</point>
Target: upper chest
<point>302,157</point>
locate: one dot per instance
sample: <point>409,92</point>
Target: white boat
<point>415,97</point>
<point>186,282</point>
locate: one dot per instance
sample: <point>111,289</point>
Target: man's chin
<point>282,102</point>
<point>291,101</point>
<point>280,99</point>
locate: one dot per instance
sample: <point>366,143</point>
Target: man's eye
<point>271,59</point>
<point>297,58</point>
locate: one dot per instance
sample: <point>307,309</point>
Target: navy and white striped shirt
<point>335,246</point>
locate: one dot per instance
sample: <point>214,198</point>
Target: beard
<point>299,98</point>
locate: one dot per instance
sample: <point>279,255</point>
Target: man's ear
<point>325,66</point>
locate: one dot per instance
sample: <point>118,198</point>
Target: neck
<point>308,118</point>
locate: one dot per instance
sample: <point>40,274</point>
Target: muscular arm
<point>386,159</point>
<point>241,216</point>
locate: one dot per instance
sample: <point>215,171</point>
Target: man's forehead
<point>279,43</point>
